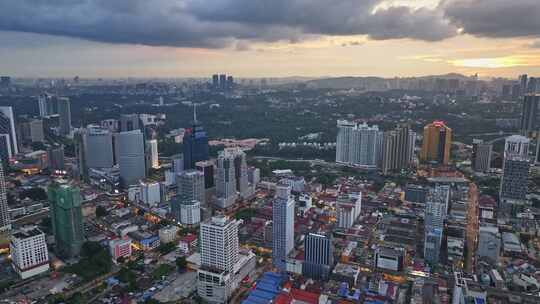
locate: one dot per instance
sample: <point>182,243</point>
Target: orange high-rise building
<point>436,143</point>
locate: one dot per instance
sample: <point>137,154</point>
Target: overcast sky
<point>175,38</point>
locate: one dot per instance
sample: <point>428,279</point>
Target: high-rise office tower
<point>5,149</point>
<point>523,83</point>
<point>481,155</point>
<point>207,168</point>
<point>398,149</point>
<point>195,144</point>
<point>98,146</point>
<point>152,148</point>
<point>318,256</point>
<point>230,83</point>
<point>506,91</point>
<point>532,85</point>
<point>5,221</point>
<point>240,171</point>
<point>56,157</point>
<point>129,122</point>
<point>435,214</point>
<point>47,105</point>
<point>226,180</point>
<point>515,170</point>
<point>64,112</point>
<point>358,144</point>
<point>29,254</point>
<point>7,126</point>
<point>177,161</point>
<point>529,114</point>
<point>31,131</point>
<point>191,186</point>
<point>436,143</point>
<point>215,81</point>
<point>223,82</point>
<point>131,157</point>
<point>516,91</point>
<point>282,226</point>
<point>66,218</point>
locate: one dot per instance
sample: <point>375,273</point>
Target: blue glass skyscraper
<point>195,144</point>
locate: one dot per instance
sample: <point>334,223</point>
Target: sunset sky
<point>263,38</point>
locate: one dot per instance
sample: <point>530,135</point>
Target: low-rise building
<point>120,248</point>
<point>29,253</point>
<point>168,234</point>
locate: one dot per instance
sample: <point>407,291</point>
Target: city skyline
<point>270,39</point>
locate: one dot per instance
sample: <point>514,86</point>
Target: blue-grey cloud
<point>495,18</point>
<point>219,23</point>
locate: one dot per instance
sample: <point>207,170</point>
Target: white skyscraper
<point>223,266</point>
<point>226,179</point>
<point>5,223</point>
<point>219,243</point>
<point>358,144</point>
<point>131,156</point>
<point>29,253</point>
<point>7,126</point>
<point>282,226</point>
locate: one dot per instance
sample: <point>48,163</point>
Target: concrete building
<point>28,250</point>
<point>56,157</point>
<point>168,234</point>
<point>529,114</point>
<point>64,112</point>
<point>226,180</point>
<point>282,226</point>
<point>131,158</point>
<point>190,213</point>
<point>223,266</point>
<point>489,244</point>
<point>516,165</point>
<point>481,156</point>
<point>207,168</point>
<point>66,218</point>
<point>318,256</point>
<point>98,147</point>
<point>358,144</point>
<point>398,149</point>
<point>191,186</point>
<point>436,143</point>
<point>120,248</point>
<point>7,126</point>
<point>348,208</point>
<point>5,221</point>
<point>152,148</point>
<point>434,217</point>
<point>150,193</point>
<point>390,258</point>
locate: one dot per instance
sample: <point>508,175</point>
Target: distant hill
<point>369,82</point>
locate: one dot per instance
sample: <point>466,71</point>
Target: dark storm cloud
<point>218,23</point>
<point>495,18</point>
